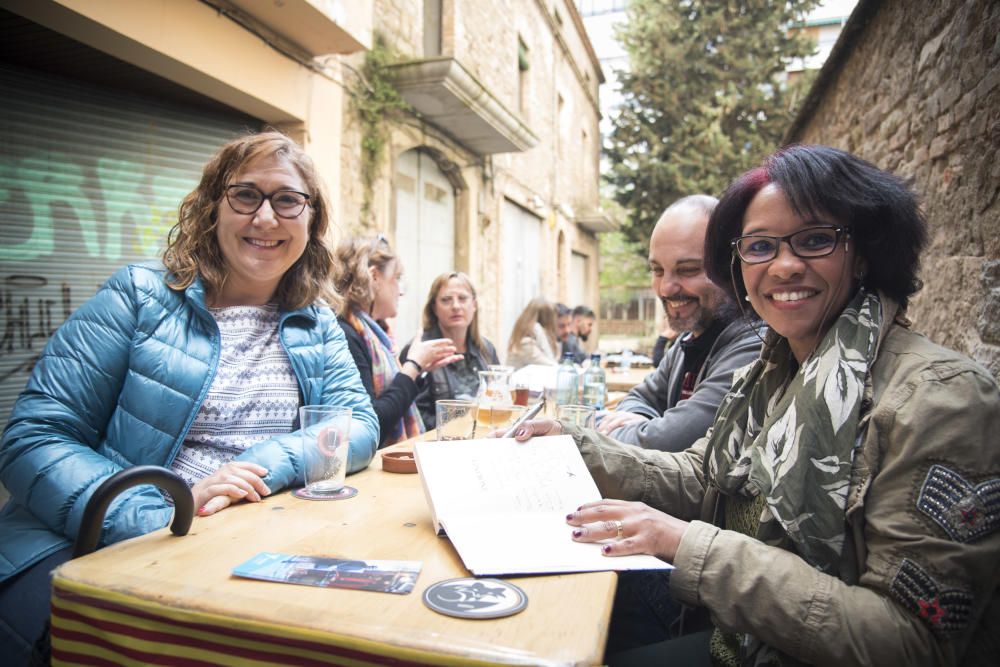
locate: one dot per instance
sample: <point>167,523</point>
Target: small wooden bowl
<point>401,462</point>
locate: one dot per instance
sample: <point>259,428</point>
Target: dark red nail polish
<point>569,516</point>
<point>577,533</point>
<point>606,549</point>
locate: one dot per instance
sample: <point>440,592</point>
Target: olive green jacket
<point>923,519</point>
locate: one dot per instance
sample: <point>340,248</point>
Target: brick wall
<point>918,93</point>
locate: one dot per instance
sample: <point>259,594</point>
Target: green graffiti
<point>45,185</point>
<point>57,180</point>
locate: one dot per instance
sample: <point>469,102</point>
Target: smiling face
<point>798,298</point>
<point>385,289</point>
<point>454,307</point>
<point>676,263</point>
<point>258,248</point>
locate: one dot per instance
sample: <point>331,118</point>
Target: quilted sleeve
<point>48,457</point>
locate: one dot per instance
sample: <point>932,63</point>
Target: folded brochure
<point>387,576</point>
<point>503,505</point>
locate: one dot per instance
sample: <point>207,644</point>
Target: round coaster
<point>468,597</point>
<point>346,492</point>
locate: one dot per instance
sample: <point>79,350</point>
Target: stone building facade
<point>494,170</point>
<point>914,87</point>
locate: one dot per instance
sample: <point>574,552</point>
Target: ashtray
<point>402,462</point>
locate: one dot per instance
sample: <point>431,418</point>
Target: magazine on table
<point>503,505</point>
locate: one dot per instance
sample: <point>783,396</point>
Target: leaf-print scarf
<point>791,435</point>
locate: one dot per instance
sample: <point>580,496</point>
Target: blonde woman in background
<point>451,313</point>
<point>533,339</point>
<point>367,274</point>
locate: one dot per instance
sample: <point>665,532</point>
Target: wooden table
<point>623,381</point>
<point>161,599</point>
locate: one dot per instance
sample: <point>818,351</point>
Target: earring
<point>746,297</point>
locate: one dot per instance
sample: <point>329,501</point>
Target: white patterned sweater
<point>253,396</point>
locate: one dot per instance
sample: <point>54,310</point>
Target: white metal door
<point>425,234</point>
<point>577,280</point>
<point>522,236</point>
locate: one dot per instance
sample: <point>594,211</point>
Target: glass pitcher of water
<point>493,397</point>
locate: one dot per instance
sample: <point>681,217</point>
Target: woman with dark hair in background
<point>534,339</point>
<point>451,313</point>
<point>845,507</point>
<point>367,275</point>
<point>199,366</point>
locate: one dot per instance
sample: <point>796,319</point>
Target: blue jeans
<point>24,608</point>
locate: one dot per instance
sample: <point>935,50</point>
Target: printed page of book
<point>504,505</point>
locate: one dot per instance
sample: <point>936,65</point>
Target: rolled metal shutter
<point>90,180</point>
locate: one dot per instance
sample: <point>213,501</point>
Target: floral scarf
<point>384,369</point>
<point>791,434</point>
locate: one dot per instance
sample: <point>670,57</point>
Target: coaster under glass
<point>344,493</point>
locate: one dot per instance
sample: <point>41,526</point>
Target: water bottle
<point>594,383</point>
<point>626,361</point>
<point>567,381</point>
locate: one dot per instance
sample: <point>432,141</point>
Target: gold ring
<point>618,526</point>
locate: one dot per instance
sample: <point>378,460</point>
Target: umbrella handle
<point>93,513</point>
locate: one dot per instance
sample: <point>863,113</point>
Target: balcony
<point>449,96</point>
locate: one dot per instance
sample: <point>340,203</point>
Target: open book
<point>503,504</point>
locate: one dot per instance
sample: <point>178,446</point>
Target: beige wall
<point>919,94</point>
<point>189,43</point>
<point>557,179</point>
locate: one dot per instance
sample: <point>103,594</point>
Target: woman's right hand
<point>432,354</point>
<point>232,482</point>
<point>539,427</point>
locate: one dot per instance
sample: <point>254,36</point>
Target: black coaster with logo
<point>345,492</point>
<point>468,597</point>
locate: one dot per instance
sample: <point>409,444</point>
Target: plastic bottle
<point>567,381</point>
<point>594,383</point>
<point>626,361</point>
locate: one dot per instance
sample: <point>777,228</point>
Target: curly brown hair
<point>350,272</point>
<point>192,246</point>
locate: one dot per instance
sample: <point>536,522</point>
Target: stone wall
<point>917,92</point>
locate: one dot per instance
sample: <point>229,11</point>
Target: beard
<point>725,311</point>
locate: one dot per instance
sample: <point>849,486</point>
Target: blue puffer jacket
<point>119,384</point>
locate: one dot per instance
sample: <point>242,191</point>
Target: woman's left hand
<point>232,482</point>
<point>634,528</point>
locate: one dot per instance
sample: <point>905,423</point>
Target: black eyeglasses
<point>818,241</point>
<point>247,199</point>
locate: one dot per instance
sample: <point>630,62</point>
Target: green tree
<point>703,98</point>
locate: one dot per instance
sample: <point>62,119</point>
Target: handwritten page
<point>503,504</point>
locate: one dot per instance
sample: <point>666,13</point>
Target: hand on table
<point>614,420</point>
<point>539,427</point>
<point>643,529</point>
<point>432,354</point>
<point>232,482</point>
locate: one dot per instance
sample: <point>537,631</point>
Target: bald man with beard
<point>676,403</point>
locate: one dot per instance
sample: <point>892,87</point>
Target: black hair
<point>583,311</point>
<point>888,229</point>
<point>562,310</point>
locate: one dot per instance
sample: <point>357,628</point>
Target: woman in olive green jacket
<point>844,508</point>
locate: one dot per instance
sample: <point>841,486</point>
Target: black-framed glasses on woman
<point>818,241</point>
<point>247,199</point>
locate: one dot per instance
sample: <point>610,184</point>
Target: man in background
<point>583,326</point>
<point>568,341</point>
<point>676,403</point>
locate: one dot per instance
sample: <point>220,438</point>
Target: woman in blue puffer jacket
<point>198,366</point>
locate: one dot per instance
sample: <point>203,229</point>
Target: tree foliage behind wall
<point>703,99</point>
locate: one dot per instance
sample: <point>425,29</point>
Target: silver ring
<point>618,526</point>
